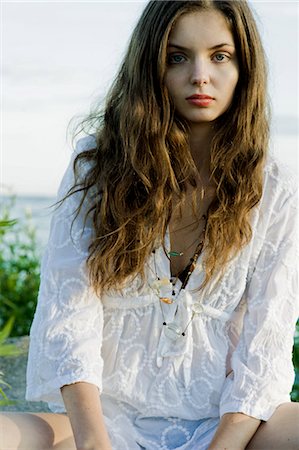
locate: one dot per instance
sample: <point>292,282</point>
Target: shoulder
<point>280,182</point>
<point>86,143</point>
<point>82,164</point>
<point>77,168</point>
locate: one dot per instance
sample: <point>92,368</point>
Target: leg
<point>30,431</point>
<point>281,432</point>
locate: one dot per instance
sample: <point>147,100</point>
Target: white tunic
<point>236,352</point>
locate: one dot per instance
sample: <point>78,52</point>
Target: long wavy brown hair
<point>142,159</point>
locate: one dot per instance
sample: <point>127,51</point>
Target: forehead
<point>205,27</point>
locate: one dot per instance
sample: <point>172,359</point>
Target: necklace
<point>176,253</point>
<point>164,285</point>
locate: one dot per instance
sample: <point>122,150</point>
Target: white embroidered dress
<point>158,392</point>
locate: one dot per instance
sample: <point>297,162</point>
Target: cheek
<point>234,79</point>
<point>231,82</point>
<point>170,85</point>
<point>174,82</point>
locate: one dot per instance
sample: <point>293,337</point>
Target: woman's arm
<point>264,350</point>
<point>84,410</point>
<point>234,432</point>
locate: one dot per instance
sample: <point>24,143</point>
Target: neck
<point>200,139</point>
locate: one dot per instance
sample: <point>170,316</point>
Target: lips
<point>199,97</point>
<point>201,100</point>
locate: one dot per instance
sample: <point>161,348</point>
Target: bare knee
<point>24,431</point>
<point>28,431</point>
<point>280,431</point>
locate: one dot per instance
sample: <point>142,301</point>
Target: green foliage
<point>4,400</point>
<point>295,391</point>
<point>6,224</point>
<point>6,350</point>
<point>19,271</point>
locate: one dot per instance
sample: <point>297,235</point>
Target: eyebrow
<point>215,47</point>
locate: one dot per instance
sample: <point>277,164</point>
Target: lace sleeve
<point>263,373</point>
<point>66,333</point>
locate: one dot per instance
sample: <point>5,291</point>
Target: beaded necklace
<point>171,329</point>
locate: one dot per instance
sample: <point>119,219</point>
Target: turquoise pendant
<point>175,253</point>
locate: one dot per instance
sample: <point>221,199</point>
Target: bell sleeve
<point>66,333</point>
<point>262,371</point>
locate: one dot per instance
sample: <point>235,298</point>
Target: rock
<point>14,373</point>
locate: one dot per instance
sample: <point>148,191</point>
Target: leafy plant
<point>6,223</point>
<point>6,350</point>
<point>19,271</point>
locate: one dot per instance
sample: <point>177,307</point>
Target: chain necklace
<point>175,253</point>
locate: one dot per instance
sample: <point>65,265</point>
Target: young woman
<point>167,303</point>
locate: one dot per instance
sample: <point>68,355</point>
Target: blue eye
<point>175,59</point>
<point>220,57</point>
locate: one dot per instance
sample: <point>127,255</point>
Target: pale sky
<point>59,57</point>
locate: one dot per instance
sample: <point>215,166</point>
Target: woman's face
<point>202,67</point>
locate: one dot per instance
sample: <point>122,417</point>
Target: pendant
<point>172,331</point>
<point>167,300</point>
<point>173,253</point>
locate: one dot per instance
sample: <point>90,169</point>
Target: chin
<point>206,119</point>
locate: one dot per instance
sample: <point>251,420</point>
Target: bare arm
<point>84,410</point>
<point>234,432</point>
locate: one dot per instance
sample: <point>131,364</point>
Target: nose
<point>200,73</point>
